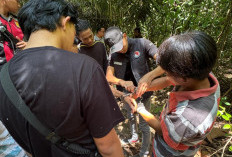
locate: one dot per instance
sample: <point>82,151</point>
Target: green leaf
<point>228,115</point>
<point>171,1</point>
<point>225,117</point>
<point>224,98</point>
<point>230,148</point>
<point>219,113</point>
<point>227,103</point>
<point>227,126</point>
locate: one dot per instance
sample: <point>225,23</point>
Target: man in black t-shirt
<point>89,47</point>
<point>127,66</point>
<point>59,87</point>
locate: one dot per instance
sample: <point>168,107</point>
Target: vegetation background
<point>159,19</point>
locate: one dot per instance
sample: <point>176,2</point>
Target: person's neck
<point>193,84</point>
<point>43,38</point>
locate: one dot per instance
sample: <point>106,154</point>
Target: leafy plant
<point>223,114</point>
<point>230,148</point>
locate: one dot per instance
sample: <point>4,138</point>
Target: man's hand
<point>21,44</point>
<point>145,81</point>
<point>128,85</point>
<point>132,103</point>
<point>143,85</point>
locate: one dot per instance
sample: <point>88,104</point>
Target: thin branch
<point>227,91</point>
<point>226,146</point>
<point>216,151</point>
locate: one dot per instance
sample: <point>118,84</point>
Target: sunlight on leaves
<point>227,126</point>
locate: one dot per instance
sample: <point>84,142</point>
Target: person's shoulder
<point>80,60</point>
<point>82,45</point>
<point>57,54</point>
<point>86,60</point>
<point>99,43</point>
<point>95,36</point>
<point>144,40</point>
<point>136,41</point>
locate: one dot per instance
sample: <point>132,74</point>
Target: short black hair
<point>137,29</point>
<point>82,26</point>
<point>189,55</point>
<point>44,14</point>
<point>99,28</point>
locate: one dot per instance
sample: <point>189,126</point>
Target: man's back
<point>59,87</point>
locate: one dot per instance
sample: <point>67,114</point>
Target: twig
<point>216,151</point>
<point>226,146</point>
<point>227,91</point>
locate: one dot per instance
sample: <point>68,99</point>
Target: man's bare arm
<point>109,145</point>
<point>114,80</point>
<point>151,120</point>
<point>159,83</point>
<point>110,76</point>
<point>145,81</point>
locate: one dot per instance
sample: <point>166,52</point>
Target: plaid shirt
<point>186,120</point>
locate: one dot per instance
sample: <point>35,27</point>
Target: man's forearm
<point>112,79</point>
<point>151,120</point>
<point>109,146</point>
<point>155,73</point>
<point>159,83</point>
<point>116,92</point>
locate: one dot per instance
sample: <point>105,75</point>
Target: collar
<point>8,19</point>
<point>84,45</point>
<point>191,95</point>
<point>98,37</point>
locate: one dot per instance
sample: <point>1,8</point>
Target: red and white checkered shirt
<point>186,120</point>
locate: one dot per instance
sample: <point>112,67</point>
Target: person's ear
<point>64,22</point>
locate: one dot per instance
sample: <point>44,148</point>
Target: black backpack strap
<point>25,111</point>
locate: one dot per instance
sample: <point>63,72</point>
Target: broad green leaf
<point>223,108</point>
<point>227,126</point>
<point>225,117</point>
<point>219,113</point>
<point>228,115</point>
<point>227,103</point>
<point>230,148</point>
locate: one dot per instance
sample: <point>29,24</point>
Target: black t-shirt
<point>96,51</point>
<point>67,92</point>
